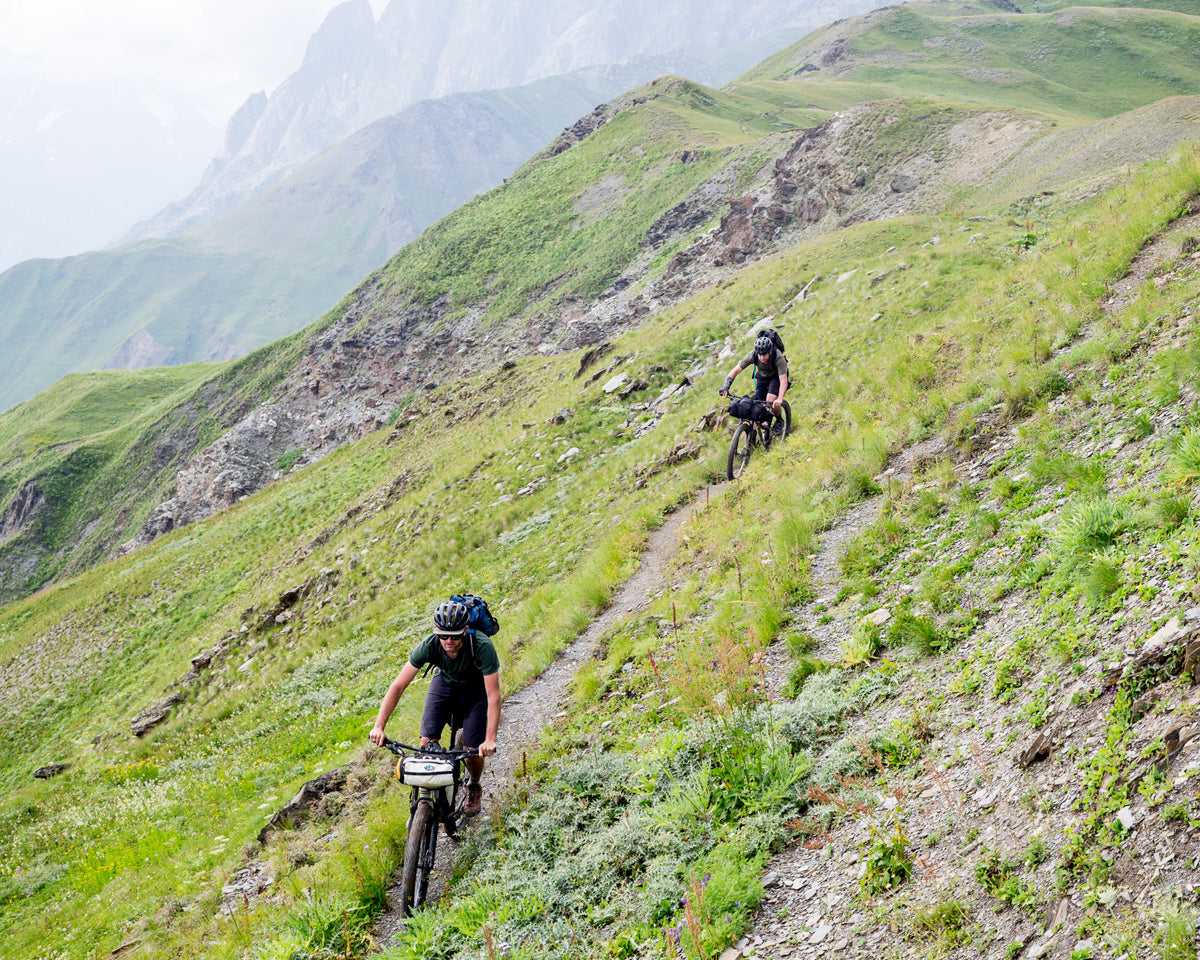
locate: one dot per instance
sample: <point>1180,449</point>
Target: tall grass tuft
<point>1091,527</point>
<point>1184,466</point>
<point>921,633</point>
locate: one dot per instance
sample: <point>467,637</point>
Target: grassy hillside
<point>134,840</point>
<point>86,461</point>
<point>265,636</point>
<point>1087,63</point>
<point>567,224</point>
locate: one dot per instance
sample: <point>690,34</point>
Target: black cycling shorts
<point>764,387</point>
<point>459,704</point>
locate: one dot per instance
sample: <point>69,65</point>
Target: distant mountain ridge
<point>224,287</point>
<point>356,71</point>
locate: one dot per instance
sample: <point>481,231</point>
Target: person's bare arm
<point>729,379</point>
<point>406,676</point>
<point>491,684</point>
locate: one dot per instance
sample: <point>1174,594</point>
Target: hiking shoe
<point>474,798</point>
<point>777,430</point>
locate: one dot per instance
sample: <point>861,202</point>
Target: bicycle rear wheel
<point>419,852</point>
<point>739,451</point>
<point>786,417</point>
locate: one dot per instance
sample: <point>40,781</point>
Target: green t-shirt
<point>468,666</point>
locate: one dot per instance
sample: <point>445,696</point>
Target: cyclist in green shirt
<point>465,688</point>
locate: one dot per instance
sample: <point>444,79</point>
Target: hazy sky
<point>213,53</point>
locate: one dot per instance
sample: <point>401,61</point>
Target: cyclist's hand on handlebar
<point>723,392</point>
<point>377,736</point>
<point>487,748</point>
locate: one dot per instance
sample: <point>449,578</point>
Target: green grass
<point>1013,60</point>
<point>382,529</point>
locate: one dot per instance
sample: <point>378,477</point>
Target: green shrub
<point>287,460</point>
<point>947,916</point>
<point>921,633</point>
<point>886,861</point>
<point>804,668</point>
<point>1170,511</point>
<point>1001,878</point>
<point>1140,427</point>
<point>1090,527</point>
<point>1102,577</point>
<point>799,643</point>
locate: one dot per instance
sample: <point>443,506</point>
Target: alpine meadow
<point>921,682</point>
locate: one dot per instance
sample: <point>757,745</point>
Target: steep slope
<point>194,686</point>
<point>662,194</point>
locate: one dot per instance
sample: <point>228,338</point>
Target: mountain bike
<point>434,774</point>
<point>755,429</point>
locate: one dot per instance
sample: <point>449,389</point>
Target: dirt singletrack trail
<point>528,712</point>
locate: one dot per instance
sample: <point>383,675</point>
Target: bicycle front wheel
<point>418,857</point>
<point>739,451</point>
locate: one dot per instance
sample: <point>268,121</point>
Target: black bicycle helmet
<point>763,345</point>
<point>450,618</point>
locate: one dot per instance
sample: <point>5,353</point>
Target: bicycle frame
<point>751,433</point>
<point>428,806</point>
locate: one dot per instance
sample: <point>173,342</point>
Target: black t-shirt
<point>776,365</point>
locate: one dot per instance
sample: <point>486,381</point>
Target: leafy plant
<point>886,860</point>
<point>863,645</point>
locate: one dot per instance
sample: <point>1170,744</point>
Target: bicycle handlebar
<point>434,749</point>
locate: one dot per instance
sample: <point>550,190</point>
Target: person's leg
<point>771,388</point>
<point>438,705</point>
<point>474,727</point>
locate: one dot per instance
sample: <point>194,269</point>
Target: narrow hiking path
<point>531,710</point>
<point>813,906</point>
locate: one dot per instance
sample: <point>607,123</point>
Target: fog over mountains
<point>357,70</point>
<point>82,162</point>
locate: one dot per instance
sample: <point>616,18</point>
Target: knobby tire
<point>739,451</point>
<point>418,857</point>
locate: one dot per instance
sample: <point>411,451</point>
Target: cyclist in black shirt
<point>770,375</point>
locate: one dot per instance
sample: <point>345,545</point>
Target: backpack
<point>479,617</point>
<point>775,338</point>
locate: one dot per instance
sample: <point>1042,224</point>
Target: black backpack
<point>479,617</point>
<point>775,338</point>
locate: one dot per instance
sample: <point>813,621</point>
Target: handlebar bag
<point>742,408</point>
<point>762,413</point>
<point>425,772</point>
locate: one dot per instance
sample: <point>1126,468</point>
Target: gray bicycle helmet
<point>763,345</point>
<point>450,618</point>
